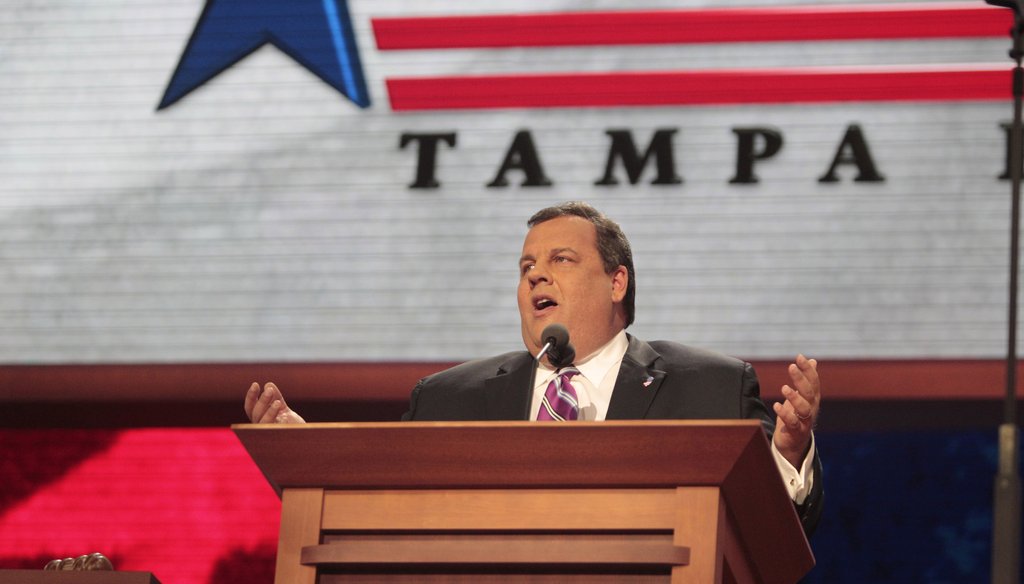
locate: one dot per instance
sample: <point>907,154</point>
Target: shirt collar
<point>596,365</point>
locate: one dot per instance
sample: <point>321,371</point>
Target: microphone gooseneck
<point>560,353</point>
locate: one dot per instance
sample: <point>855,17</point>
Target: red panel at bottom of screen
<point>188,505</point>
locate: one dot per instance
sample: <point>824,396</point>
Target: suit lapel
<point>637,384</point>
<point>507,394</point>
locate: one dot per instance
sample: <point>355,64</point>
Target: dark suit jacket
<point>688,383</point>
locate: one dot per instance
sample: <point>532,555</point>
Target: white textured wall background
<point>264,217</point>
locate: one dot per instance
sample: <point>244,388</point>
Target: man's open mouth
<point>540,304</point>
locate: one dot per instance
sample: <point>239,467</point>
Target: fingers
<point>264,406</point>
<point>792,434</point>
<point>250,399</point>
<point>804,375</point>
<point>800,407</point>
<point>809,367</point>
<point>798,412</point>
<point>786,416</point>
<point>271,403</point>
<point>795,411</point>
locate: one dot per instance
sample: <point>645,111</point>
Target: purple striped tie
<point>559,402</point>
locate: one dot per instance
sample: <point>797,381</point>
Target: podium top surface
<point>520,454</point>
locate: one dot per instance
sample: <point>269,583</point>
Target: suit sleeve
<point>413,400</point>
<point>753,407</point>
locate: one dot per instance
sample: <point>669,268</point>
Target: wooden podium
<point>638,501</point>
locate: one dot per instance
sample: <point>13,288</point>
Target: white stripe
<point>568,397</point>
<point>551,410</point>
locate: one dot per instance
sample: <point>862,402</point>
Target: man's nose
<point>537,275</point>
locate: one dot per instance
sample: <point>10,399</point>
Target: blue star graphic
<point>316,33</point>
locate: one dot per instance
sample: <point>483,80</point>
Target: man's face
<point>562,279</point>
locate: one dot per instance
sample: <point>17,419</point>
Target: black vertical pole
<point>1006,508</point>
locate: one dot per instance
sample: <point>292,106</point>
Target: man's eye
<point>525,268</point>
<point>561,259</point>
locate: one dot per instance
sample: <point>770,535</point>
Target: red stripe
<point>851,379</point>
<point>698,88</point>
<point>794,23</point>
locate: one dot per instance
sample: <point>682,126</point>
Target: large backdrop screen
<point>242,181</point>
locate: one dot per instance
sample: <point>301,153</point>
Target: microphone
<point>559,351</point>
<point>556,345</point>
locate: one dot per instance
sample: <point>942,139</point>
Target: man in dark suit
<point>576,269</point>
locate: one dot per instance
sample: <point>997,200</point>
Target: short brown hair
<point>611,244</point>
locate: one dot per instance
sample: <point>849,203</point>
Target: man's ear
<point>620,282</point>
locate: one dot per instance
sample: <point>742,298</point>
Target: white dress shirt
<point>594,386</point>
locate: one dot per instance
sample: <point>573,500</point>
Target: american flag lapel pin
<point>648,381</point>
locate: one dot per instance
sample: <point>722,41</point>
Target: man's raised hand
<point>266,405</point>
